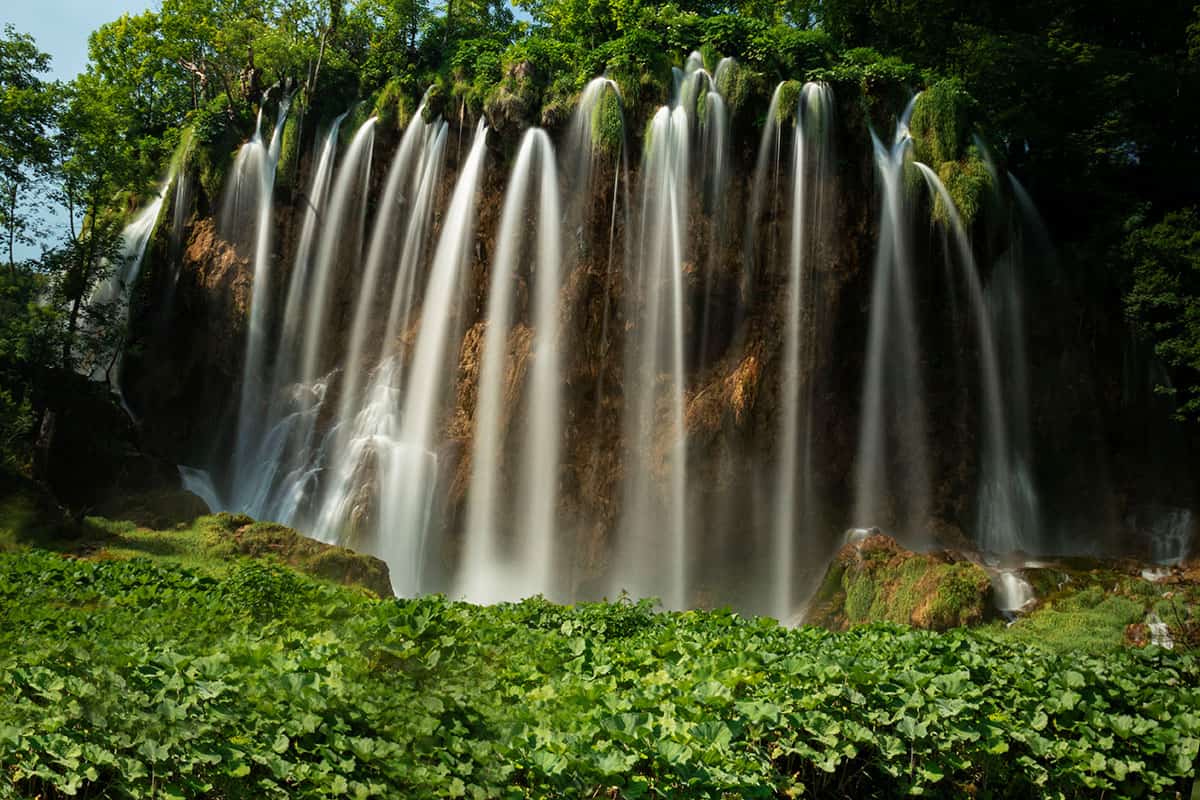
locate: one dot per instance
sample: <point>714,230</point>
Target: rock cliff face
<point>1102,446</point>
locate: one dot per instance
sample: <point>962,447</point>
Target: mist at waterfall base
<point>362,442</point>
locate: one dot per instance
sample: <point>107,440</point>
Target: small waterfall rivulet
<point>512,392</point>
<point>999,527</point>
<point>766,188</point>
<point>253,187</point>
<point>503,564</point>
<point>893,458</point>
<point>794,490</point>
<point>653,554</point>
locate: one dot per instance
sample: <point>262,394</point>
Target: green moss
<point>969,183</point>
<point>789,101</point>
<point>28,516</point>
<point>359,114</point>
<point>230,535</point>
<point>436,100</point>
<point>608,125</point>
<point>941,123</point>
<point>393,106</point>
<point>740,86</point>
<point>876,580</point>
<point>219,131</point>
<point>1089,621</point>
<point>289,151</point>
<point>961,589</point>
<point>860,596</point>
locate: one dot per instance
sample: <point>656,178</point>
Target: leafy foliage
<point>155,680</point>
<point>1164,299</point>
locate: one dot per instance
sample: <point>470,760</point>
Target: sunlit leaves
<point>165,683</point>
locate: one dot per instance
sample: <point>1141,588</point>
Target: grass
<point>211,545</point>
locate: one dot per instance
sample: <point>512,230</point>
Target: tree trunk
<point>12,228</point>
<point>85,270</point>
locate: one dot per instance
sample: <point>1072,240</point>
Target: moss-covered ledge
<point>875,579</point>
<point>229,535</point>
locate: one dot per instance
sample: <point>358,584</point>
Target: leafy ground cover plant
<point>139,679</point>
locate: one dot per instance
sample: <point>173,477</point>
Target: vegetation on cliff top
<point>1094,116</point>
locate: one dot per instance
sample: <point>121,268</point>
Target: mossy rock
<point>742,88</point>
<point>393,106</point>
<point>156,509</point>
<point>608,125</point>
<point>789,101</point>
<point>875,580</point>
<point>941,123</point>
<point>514,103</point>
<point>289,151</point>
<point>29,515</point>
<point>238,535</point>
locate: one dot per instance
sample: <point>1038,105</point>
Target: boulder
<point>239,535</point>
<point>874,579</point>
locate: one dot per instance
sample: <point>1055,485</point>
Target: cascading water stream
<point>893,398</point>
<point>340,242</point>
<point>399,190</point>
<point>793,484</point>
<point>117,287</point>
<point>658,440</point>
<point>368,433</point>
<point>265,158</point>
<point>292,413</point>
<point>1002,501</point>
<point>405,464</point>
<point>587,148</point>
<point>492,571</point>
<point>766,175</point>
<point>416,235</point>
<point>287,364</point>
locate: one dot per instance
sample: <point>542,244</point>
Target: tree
<point>1164,300</point>
<point>27,110</point>
<point>97,163</point>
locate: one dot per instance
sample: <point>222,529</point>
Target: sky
<point>61,27</point>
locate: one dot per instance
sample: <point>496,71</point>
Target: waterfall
<point>359,424</point>
<point>766,179</point>
<point>1005,492</point>
<point>295,309</point>
<point>416,234</point>
<point>367,433</point>
<point>340,244</point>
<point>714,180</point>
<point>405,459</point>
<point>259,166</point>
<point>892,472</point>
<point>794,491</point>
<point>399,190</point>
<point>1160,634</point>
<point>1013,594</point>
<point>282,456</point>
<point>584,152</point>
<point>492,571</point>
<point>658,440</point>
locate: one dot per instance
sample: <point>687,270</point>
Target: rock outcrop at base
<point>239,535</point>
<point>874,579</point>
